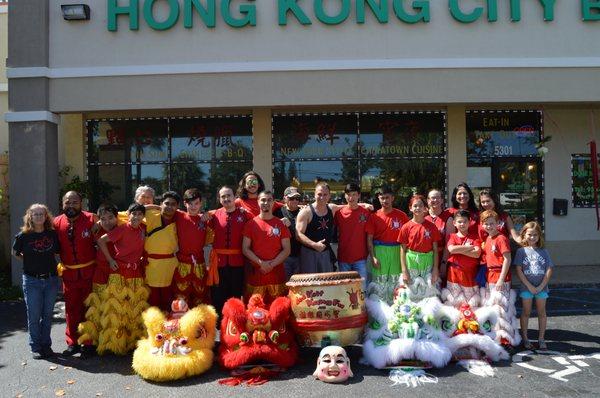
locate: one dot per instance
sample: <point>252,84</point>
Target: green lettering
<point>548,9</point>
<point>515,10</point>
<point>492,10</point>
<point>167,23</point>
<point>590,10</point>
<point>285,6</point>
<point>332,19</point>
<point>460,16</point>
<point>207,14</point>
<point>380,11</point>
<point>421,6</point>
<point>115,10</point>
<point>247,10</point>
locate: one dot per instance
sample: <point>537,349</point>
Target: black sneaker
<point>37,355</point>
<point>88,351</point>
<point>71,350</point>
<point>47,352</point>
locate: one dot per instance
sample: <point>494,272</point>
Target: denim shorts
<point>526,294</point>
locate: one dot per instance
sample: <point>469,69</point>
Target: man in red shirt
<point>189,280</point>
<point>266,244</point>
<point>77,254</point>
<point>226,269</point>
<point>382,230</point>
<point>351,221</point>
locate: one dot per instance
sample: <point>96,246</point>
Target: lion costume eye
<point>446,324</point>
<point>159,337</point>
<point>231,329</point>
<point>487,326</point>
<point>183,341</point>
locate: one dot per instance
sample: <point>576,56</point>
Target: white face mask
<point>333,365</point>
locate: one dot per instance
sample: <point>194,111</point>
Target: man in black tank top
<point>314,231</point>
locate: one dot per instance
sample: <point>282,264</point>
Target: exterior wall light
<point>75,12</point>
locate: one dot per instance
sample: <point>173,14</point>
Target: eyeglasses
<point>252,181</point>
<point>294,198</point>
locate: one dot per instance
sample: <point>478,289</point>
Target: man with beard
<point>226,270</point>
<point>289,212</point>
<point>78,254</point>
<point>161,246</point>
<point>266,244</point>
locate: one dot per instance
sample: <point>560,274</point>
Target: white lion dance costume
<point>114,316</point>
<point>403,332</point>
<point>507,328</point>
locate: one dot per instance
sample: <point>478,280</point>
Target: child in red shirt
<point>125,297</point>
<point>418,252</point>
<point>497,291</point>
<point>464,249</point>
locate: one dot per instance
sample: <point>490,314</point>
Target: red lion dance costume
<point>255,335</point>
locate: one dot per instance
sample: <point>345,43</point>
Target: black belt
<point>41,276</point>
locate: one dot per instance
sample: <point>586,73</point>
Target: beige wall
<point>571,130</point>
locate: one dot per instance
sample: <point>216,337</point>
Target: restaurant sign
<point>242,13</point>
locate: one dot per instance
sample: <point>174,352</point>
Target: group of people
<point>115,264</point>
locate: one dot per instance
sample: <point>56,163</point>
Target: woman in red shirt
<point>247,193</point>
<point>488,200</point>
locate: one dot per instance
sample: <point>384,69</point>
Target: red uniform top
<point>386,227</point>
<point>352,246</point>
<point>493,251</point>
<point>101,261</point>
<point>228,234</point>
<point>460,259</point>
<point>129,243</point>
<point>252,207</point>
<point>440,222</point>
<point>191,233</point>
<point>419,237</point>
<point>266,237</point>
<point>502,228</point>
<point>473,220</point>
<point>76,242</point>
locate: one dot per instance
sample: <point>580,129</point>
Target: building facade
<point>412,94</point>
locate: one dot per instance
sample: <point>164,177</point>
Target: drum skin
<point>329,308</point>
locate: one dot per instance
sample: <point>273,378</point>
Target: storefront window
<point>167,154</point>
<point>405,150</point>
<point>502,155</point>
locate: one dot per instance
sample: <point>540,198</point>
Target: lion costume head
<point>257,333</point>
<point>176,347</point>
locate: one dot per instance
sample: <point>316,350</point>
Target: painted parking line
<point>572,363</point>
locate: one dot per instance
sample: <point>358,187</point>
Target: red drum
<point>329,308</point>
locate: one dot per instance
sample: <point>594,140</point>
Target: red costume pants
<point>161,297</point>
<point>77,285</point>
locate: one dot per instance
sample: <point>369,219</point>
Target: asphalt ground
<point>570,368</point>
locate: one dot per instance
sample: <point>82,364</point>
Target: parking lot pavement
<point>569,368</point>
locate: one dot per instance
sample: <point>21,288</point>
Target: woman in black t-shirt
<point>37,245</point>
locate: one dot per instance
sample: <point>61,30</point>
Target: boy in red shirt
<point>382,230</point>
<point>497,291</point>
<point>351,221</point>
<point>121,325</point>
<point>189,279</point>
<point>266,244</point>
<point>418,253</point>
<point>464,249</point>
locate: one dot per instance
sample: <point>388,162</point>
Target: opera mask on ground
<point>333,365</point>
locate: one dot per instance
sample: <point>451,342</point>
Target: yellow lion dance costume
<point>114,315</point>
<point>178,347</point>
